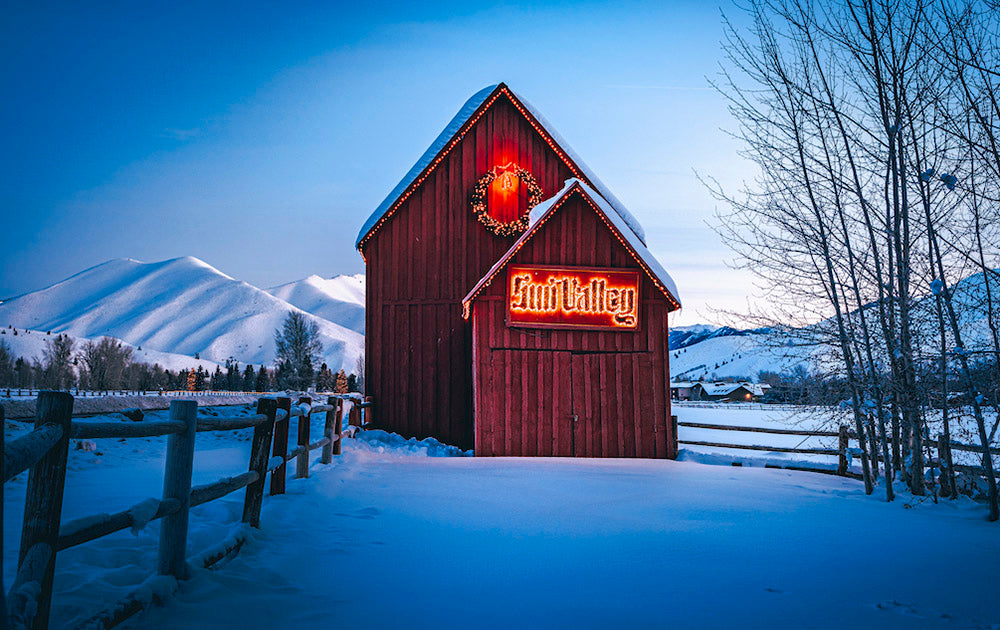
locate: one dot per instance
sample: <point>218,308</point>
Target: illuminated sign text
<point>572,297</point>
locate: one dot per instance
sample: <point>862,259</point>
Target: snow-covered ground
<point>389,537</point>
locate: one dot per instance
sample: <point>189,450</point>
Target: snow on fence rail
<point>45,450</point>
<point>21,392</point>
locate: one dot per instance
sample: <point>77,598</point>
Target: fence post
<point>305,420</point>
<point>369,413</point>
<point>259,449</point>
<point>327,455</point>
<point>948,473</point>
<point>842,447</point>
<point>44,496</point>
<point>281,445</point>
<point>3,475</point>
<point>673,429</point>
<point>340,426</point>
<point>177,485</point>
<point>354,415</point>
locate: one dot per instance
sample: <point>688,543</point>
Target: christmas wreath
<point>478,200</point>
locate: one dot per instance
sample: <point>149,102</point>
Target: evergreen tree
<point>218,380</point>
<point>262,383</point>
<point>324,379</point>
<point>352,382</point>
<point>341,385</point>
<point>248,379</point>
<point>200,377</point>
<point>284,375</point>
<point>233,380</point>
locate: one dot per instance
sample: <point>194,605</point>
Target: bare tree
<point>104,362</point>
<point>877,176</point>
<point>298,350</point>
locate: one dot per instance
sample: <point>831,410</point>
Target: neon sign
<point>572,297</point>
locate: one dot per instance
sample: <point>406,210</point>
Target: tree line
<point>107,364</point>
<point>875,129</point>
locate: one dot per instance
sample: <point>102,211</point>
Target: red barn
<point>457,219</point>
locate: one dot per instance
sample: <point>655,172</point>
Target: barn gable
<point>452,135</point>
<point>611,217</point>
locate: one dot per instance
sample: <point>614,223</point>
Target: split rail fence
<point>21,392</point>
<point>843,451</point>
<point>44,453</point>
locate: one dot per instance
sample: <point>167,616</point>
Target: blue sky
<point>259,137</point>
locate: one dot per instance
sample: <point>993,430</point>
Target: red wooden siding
<point>420,264</point>
<point>531,382</point>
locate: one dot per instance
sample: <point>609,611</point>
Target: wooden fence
<point>45,450</point>
<point>843,451</point>
<point>10,392</point>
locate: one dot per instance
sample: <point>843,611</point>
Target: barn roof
<point>453,132</point>
<point>540,213</point>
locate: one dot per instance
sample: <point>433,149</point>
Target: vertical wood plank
<point>259,448</point>
<point>172,558</point>
<point>303,426</point>
<point>44,494</point>
<point>280,447</point>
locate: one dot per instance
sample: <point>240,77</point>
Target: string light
<point>485,282</point>
<point>507,174</point>
<point>578,297</point>
<point>502,90</point>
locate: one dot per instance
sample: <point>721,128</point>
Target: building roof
<point>724,389</point>
<point>540,213</point>
<point>454,131</point>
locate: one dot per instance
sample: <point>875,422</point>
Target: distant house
<point>728,392</point>
<point>681,390</point>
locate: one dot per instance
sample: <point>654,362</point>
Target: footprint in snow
<point>367,513</point>
<point>898,608</point>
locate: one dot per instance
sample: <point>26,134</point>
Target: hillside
<point>736,356</point>
<point>181,306</point>
<point>340,299</point>
<point>710,352</point>
<point>30,344</point>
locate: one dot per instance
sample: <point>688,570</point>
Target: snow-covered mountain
<point>683,336</point>
<point>709,352</point>
<point>340,299</point>
<point>742,355</point>
<point>181,306</point>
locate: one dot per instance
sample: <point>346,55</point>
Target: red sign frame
<point>595,298</point>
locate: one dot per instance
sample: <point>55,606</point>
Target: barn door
<point>588,395</point>
<point>525,404</point>
<point>612,409</point>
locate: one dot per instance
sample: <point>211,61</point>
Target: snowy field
<point>390,537</point>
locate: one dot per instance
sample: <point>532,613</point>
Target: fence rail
<point>44,452</point>
<point>842,452</point>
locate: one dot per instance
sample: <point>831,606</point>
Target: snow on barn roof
<point>444,142</point>
<point>540,213</point>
